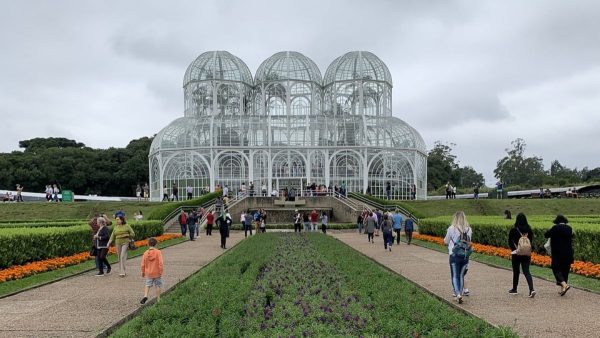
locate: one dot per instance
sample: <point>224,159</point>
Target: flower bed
<point>21,271</point>
<point>587,269</point>
<point>491,230</point>
<point>19,246</point>
<point>298,285</point>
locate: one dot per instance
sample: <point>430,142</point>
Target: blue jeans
<point>192,231</point>
<point>183,229</point>
<point>458,267</point>
<point>360,227</point>
<point>387,239</point>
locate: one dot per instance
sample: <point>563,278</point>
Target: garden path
<point>547,315</point>
<point>85,305</point>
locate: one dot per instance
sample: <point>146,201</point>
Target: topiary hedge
<point>164,209</point>
<point>22,245</point>
<point>585,241</point>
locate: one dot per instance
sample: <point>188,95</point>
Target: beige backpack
<point>524,245</point>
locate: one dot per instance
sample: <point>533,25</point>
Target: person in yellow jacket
<point>121,235</point>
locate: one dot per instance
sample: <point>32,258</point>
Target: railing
<point>186,208</point>
<point>386,207</point>
<point>348,202</point>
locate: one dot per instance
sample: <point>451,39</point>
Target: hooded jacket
<point>152,263</point>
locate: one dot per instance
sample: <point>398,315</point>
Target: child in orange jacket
<point>152,269</point>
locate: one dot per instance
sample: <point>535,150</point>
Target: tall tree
<point>516,169</point>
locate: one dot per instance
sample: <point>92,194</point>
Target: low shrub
<point>164,209</point>
<point>494,231</point>
<point>42,224</point>
<point>22,245</point>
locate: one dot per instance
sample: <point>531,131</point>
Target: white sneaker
<point>466,292</point>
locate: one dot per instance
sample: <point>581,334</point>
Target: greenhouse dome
<point>287,128</point>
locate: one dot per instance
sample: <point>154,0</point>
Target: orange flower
<point>587,269</point>
<point>21,271</point>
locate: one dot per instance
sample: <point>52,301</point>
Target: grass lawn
<point>285,284</point>
<point>36,211</point>
<point>576,280</point>
<point>13,286</point>
<point>492,207</point>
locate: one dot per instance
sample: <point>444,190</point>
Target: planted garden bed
<point>301,285</point>
<point>492,230</point>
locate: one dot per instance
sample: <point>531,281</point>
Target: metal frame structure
<point>289,127</point>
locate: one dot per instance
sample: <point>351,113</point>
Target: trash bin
<point>67,196</point>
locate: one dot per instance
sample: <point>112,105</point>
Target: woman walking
<point>121,235</point>
<point>520,238</point>
<point>458,239</point>
<point>324,221</point>
<point>386,228</point>
<point>101,237</point>
<point>561,241</point>
<point>370,227</point>
<point>224,222</point>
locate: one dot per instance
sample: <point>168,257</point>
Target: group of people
<point>142,192</point>
<point>122,236</point>
<point>389,222</point>
<point>560,240</point>
<point>52,191</point>
<point>450,191</point>
<point>189,223</point>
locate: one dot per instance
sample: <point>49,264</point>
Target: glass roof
<point>288,66</point>
<point>357,65</point>
<point>218,65</point>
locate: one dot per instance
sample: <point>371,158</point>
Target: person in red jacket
<point>183,222</point>
<point>210,220</point>
<point>152,269</point>
<point>314,218</point>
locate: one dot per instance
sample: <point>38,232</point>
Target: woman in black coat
<point>561,241</point>
<point>224,222</point>
<point>520,229</point>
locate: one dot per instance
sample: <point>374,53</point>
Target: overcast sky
<point>475,73</point>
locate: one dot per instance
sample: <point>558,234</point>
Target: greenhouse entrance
<point>282,183</point>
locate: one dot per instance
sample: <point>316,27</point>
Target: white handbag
<point>548,247</point>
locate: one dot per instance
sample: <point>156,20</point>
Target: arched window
<point>186,169</point>
<point>346,170</point>
<point>394,169</point>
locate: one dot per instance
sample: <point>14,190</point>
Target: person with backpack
<point>520,238</point>
<point>458,240</point>
<point>561,241</point>
<point>386,228</point>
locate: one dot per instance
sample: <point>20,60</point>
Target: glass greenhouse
<point>288,127</point>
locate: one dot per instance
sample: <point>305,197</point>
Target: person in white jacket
<point>457,232</point>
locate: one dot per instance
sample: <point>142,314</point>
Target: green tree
<point>440,165</point>
<point>516,169</point>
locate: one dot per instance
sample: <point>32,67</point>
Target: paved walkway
<point>577,314</point>
<point>85,305</point>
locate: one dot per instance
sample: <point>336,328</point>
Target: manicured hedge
<point>494,231</point>
<point>46,224</point>
<point>164,209</point>
<point>22,245</point>
<point>309,285</point>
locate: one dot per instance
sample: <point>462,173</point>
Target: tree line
<point>73,166</point>
<point>515,170</point>
<point>117,171</point>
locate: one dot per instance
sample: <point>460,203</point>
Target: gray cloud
<point>478,74</point>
